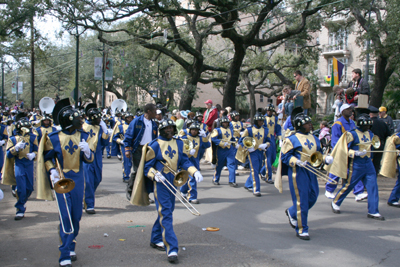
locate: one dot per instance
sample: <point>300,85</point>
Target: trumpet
<point>228,141</point>
<point>64,185</point>
<point>315,160</point>
<point>180,178</point>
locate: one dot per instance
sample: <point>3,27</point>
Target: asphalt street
<point>254,231</point>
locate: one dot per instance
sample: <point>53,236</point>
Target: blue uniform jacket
<point>135,132</point>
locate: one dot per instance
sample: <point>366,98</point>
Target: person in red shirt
<point>210,115</point>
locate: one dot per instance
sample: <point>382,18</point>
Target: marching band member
<point>390,160</point>
<point>35,118</point>
<point>18,167</point>
<point>200,141</point>
<point>168,150</point>
<point>141,131</point>
<point>70,149</point>
<point>259,132</point>
<point>223,139</point>
<point>341,125</point>
<point>118,140</point>
<point>352,150</point>
<point>98,138</point>
<point>45,127</point>
<point>3,141</point>
<point>274,132</point>
<point>108,120</point>
<point>303,184</point>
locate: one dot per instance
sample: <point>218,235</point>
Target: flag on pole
<point>337,71</point>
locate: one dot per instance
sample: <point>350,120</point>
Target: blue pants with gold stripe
<point>126,165</point>
<point>395,195</point>
<point>358,189</point>
<point>190,188</point>
<point>225,156</point>
<point>304,190</point>
<point>74,202</point>
<point>361,169</point>
<point>24,179</point>
<point>93,178</point>
<point>163,230</point>
<point>253,181</point>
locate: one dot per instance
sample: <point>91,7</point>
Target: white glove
<point>251,149</point>
<point>1,194</point>
<point>226,144</point>
<point>31,156</point>
<point>241,133</point>
<point>159,177</point>
<point>301,163</point>
<point>202,133</point>
<point>85,148</point>
<point>54,176</point>
<point>328,160</point>
<point>280,142</point>
<point>19,146</point>
<point>192,152</point>
<point>2,142</point>
<point>197,175</point>
<point>237,146</point>
<point>263,146</point>
<point>36,122</point>
<point>103,126</point>
<point>360,153</point>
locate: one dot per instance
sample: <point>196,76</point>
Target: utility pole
<point>32,66</point>
<point>2,84</point>
<point>103,97</point>
<point>366,74</point>
<point>17,85</point>
<point>76,68</point>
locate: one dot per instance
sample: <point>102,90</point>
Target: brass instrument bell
<point>249,142</point>
<point>187,145</point>
<point>316,159</point>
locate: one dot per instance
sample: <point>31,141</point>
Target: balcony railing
<point>335,50</point>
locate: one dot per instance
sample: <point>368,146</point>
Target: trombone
<point>64,185</point>
<point>376,143</point>
<point>315,160</point>
<point>180,178</point>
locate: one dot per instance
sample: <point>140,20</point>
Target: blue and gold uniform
<point>64,146</point>
<point>61,154</point>
<point>390,160</point>
<point>302,183</point>
<point>19,167</point>
<point>274,133</point>
<point>93,171</point>
<point>3,140</point>
<point>118,140</point>
<point>223,138</point>
<point>199,143</point>
<point>260,135</point>
<point>360,168</point>
<point>169,151</point>
<point>42,130</point>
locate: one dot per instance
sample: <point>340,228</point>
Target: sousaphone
<point>46,105</point>
<point>118,104</point>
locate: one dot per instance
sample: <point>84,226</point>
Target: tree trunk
<point>188,95</point>
<point>382,75</point>
<point>232,78</point>
<point>252,102</point>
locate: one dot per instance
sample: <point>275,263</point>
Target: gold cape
<point>140,197</point>
<point>278,175</point>
<point>340,156</point>
<point>42,181</point>
<point>7,172</point>
<point>388,168</point>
